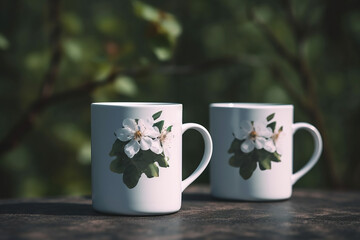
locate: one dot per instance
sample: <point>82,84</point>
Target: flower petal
<point>270,146</point>
<point>156,147</point>
<point>246,126</point>
<point>145,124</point>
<point>145,143</point>
<point>262,129</point>
<point>258,125</point>
<point>267,132</point>
<point>124,134</point>
<point>132,148</point>
<point>147,129</point>
<point>152,132</point>
<point>131,124</point>
<point>247,146</point>
<point>259,142</point>
<point>241,134</point>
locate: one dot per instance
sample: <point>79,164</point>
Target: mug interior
<point>250,105</point>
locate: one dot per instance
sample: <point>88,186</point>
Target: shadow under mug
<point>136,157</point>
<point>253,151</point>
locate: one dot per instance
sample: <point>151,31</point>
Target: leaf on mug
<point>151,170</point>
<point>131,176</point>
<point>248,168</point>
<point>156,115</point>
<point>118,165</point>
<point>159,125</point>
<point>270,117</point>
<point>272,126</point>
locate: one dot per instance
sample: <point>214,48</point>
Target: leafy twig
<point>55,46</point>
<point>26,122</point>
<point>308,103</point>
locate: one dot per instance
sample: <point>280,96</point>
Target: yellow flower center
<point>163,137</point>
<point>137,135</point>
<point>253,134</point>
<point>276,135</point>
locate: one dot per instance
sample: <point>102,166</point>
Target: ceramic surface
<point>137,157</point>
<point>253,151</point>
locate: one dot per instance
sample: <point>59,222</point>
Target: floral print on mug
<point>256,143</point>
<point>142,146</point>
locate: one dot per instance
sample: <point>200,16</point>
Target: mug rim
<point>251,105</point>
<point>134,104</point>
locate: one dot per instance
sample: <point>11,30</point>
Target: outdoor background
<point>56,57</point>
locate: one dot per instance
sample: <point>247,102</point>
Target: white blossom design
<point>256,143</point>
<point>141,134</point>
<point>256,135</point>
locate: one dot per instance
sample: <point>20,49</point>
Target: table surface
<point>308,214</point>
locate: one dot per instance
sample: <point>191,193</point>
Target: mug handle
<point>207,153</point>
<point>317,150</point>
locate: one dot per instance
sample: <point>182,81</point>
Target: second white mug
<point>253,151</point>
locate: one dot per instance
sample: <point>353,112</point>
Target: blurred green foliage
<point>175,42</point>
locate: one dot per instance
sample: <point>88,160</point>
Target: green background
<point>56,57</point>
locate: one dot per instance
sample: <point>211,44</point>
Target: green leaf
<point>272,126</point>
<point>141,163</point>
<point>162,53</point>
<point>159,125</point>
<point>270,117</point>
<point>4,43</point>
<point>118,165</point>
<point>247,169</point>
<point>146,11</point>
<point>162,161</point>
<point>156,115</point>
<point>144,158</point>
<point>233,161</point>
<point>151,171</point>
<point>169,128</point>
<point>125,85</point>
<point>131,176</point>
<point>276,157</point>
<point>263,154</point>
<point>281,129</point>
<point>235,146</point>
<point>73,49</point>
<point>117,148</point>
<point>265,164</point>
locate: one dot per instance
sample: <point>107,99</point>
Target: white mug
<point>253,151</point>
<point>136,157</point>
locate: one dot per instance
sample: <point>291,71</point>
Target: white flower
<point>255,134</point>
<point>270,145</point>
<point>141,135</point>
<point>278,140</point>
<point>165,140</point>
<point>162,143</point>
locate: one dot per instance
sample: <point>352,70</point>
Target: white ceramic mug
<point>253,151</point>
<point>136,157</point>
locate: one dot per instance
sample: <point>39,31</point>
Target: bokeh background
<point>56,57</point>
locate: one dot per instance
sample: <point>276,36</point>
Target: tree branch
<point>310,103</point>
<point>289,88</point>
<point>55,46</point>
<point>26,122</point>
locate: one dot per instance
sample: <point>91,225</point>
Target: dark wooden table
<point>308,214</point>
